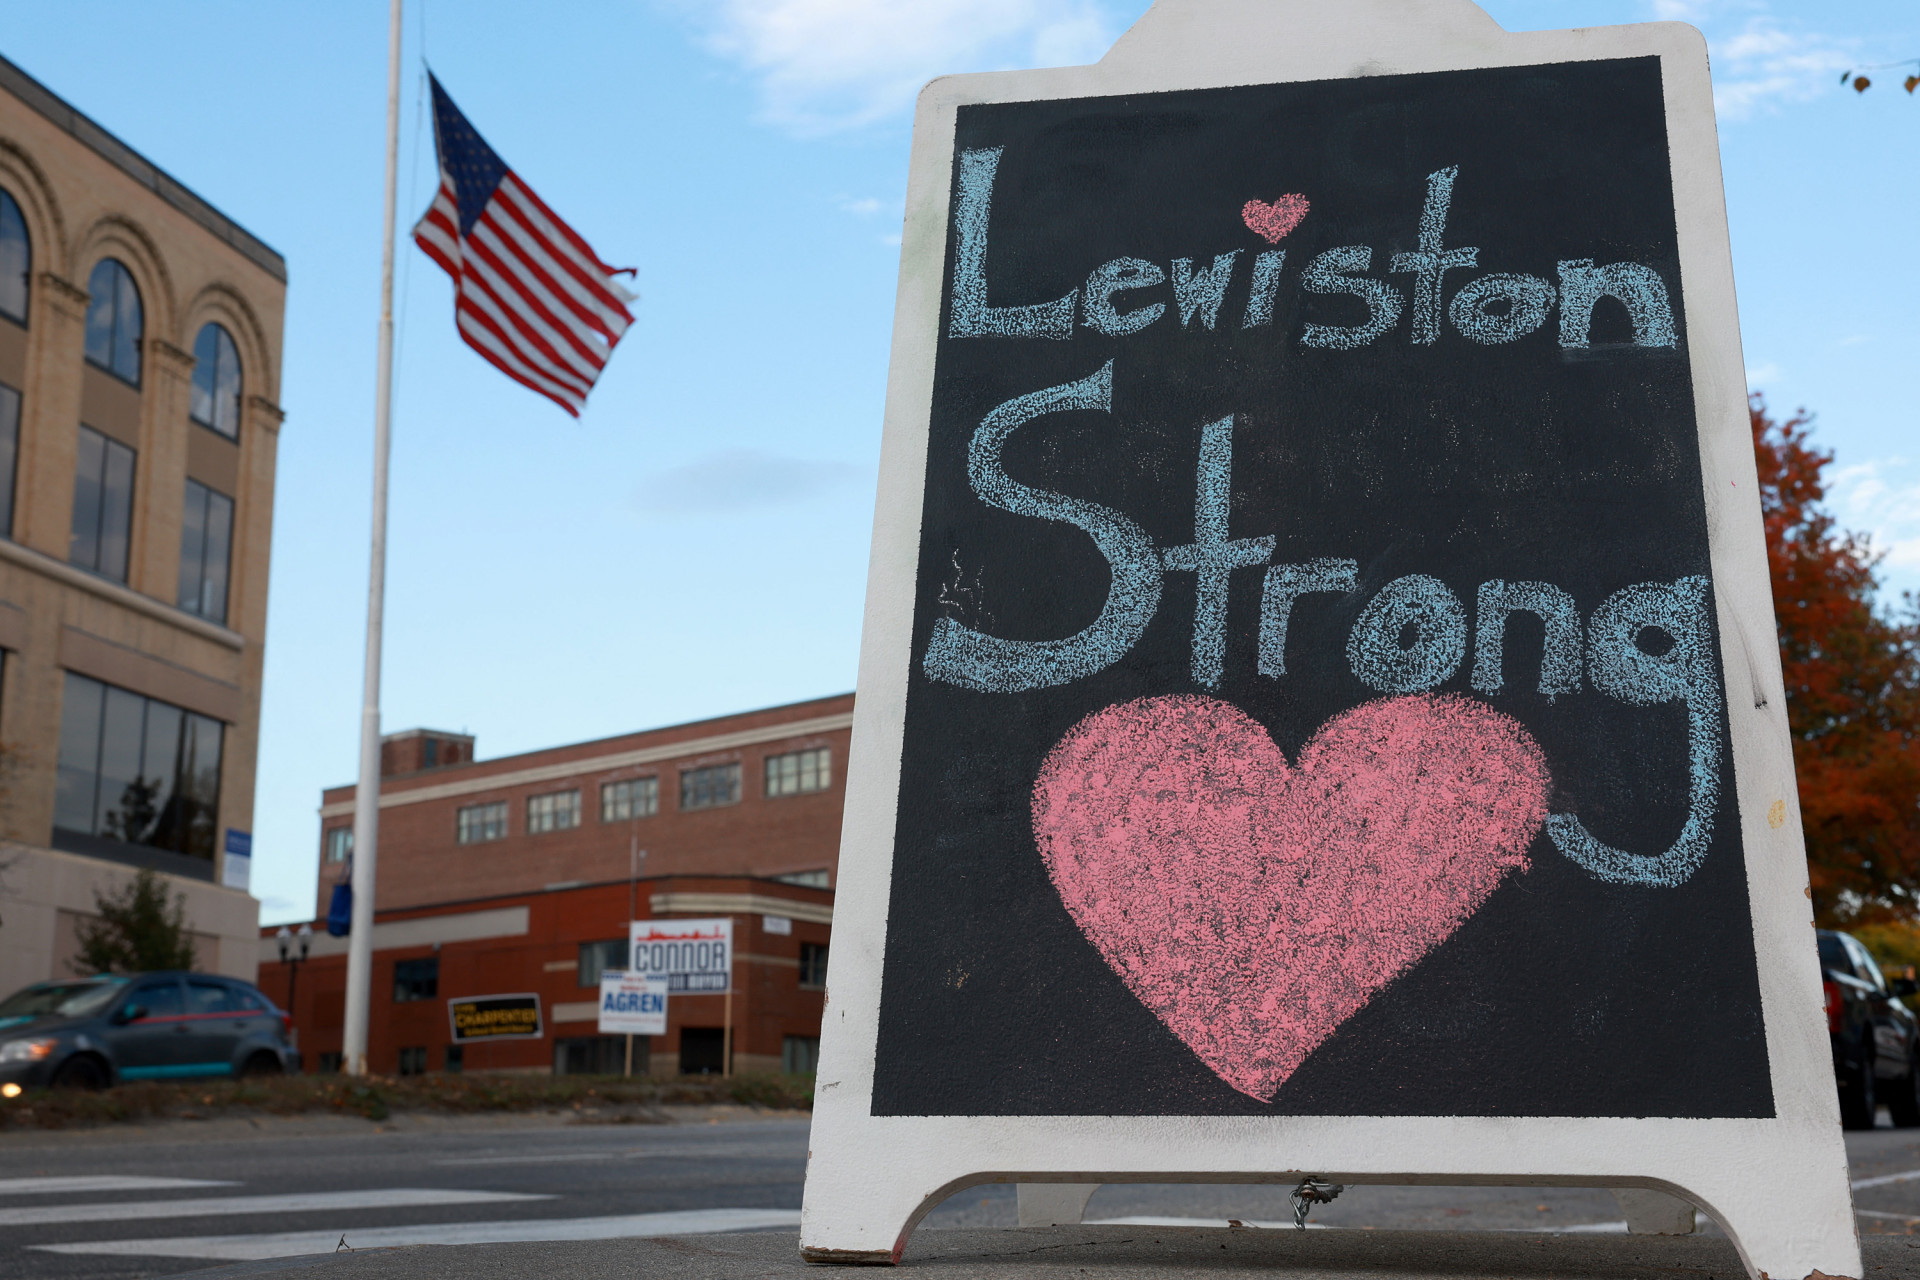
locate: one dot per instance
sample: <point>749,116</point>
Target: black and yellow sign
<point>495,1018</point>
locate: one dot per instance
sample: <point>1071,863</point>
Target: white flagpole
<point>366,796</point>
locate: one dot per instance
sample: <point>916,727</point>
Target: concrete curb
<point>1104,1253</point>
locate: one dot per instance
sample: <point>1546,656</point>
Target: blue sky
<point>696,544</point>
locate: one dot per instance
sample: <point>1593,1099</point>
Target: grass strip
<point>613,1099</point>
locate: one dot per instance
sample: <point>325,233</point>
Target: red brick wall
<point>407,752</point>
<point>768,1002</point>
<point>421,863</point>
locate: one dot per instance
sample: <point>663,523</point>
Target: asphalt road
<point>184,1199</point>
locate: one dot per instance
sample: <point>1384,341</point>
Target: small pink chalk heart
<point>1253,905</point>
<point>1271,222</point>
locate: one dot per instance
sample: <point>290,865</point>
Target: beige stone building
<point>139,416</point>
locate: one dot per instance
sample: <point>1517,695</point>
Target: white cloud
<point>740,480</point>
<point>1881,498</point>
<point>826,65</point>
<point>1759,63</point>
<point>1761,66</point>
<point>864,207</point>
<point>1758,375</point>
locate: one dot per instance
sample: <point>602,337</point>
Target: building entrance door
<point>702,1050</point>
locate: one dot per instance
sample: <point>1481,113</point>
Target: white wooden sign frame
<point>1778,1186</point>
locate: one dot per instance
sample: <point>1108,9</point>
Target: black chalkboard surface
<point>1316,703</point>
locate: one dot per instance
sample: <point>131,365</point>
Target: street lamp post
<point>286,937</point>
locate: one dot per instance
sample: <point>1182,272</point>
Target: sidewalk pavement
<point>1098,1253</point>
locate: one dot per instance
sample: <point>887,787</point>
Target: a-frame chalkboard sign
<point>1318,708</point>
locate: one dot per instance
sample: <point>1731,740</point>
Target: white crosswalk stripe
<point>100,1182</point>
<point>246,1248</point>
<point>218,1206</point>
<point>653,1151</point>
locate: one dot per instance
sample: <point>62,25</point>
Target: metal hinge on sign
<point>1310,1192</point>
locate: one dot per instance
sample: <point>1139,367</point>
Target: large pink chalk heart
<point>1271,222</point>
<point>1255,906</point>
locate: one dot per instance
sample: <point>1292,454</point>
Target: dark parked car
<point>1876,1039</point>
<point>91,1032</point>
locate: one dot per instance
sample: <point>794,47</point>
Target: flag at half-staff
<point>529,294</point>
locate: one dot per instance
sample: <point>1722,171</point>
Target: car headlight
<point>27,1050</point>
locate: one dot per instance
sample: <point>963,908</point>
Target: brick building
<point>139,378</point>
<point>519,874</point>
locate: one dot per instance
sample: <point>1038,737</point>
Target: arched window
<point>16,260</point>
<point>113,320</point>
<point>216,382</point>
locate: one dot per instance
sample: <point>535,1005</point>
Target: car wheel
<point>262,1064</point>
<point>1858,1104</point>
<point>82,1071</point>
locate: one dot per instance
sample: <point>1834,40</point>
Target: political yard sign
<point>633,1004</point>
<point>514,1017</point>
<point>694,956</point>
<point>1318,706</point>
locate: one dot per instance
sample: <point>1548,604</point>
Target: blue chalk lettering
<point>1621,669</point>
<point>1528,300</point>
<point>971,316</point>
<point>1119,276</point>
<point>1439,624</point>
<point>960,655</point>
<point>1431,262</point>
<point>1202,294</point>
<point>1329,273</point>
<point>1637,286</point>
<point>1559,659</point>
<point>1266,282</point>
<point>1212,555</point>
<point>1285,584</point>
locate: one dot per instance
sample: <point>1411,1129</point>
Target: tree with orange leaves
<point>1853,689</point>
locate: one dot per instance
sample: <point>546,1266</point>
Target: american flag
<point>530,295</point>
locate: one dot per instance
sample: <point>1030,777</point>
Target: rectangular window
<point>820,879</point>
<point>413,1062</point>
<point>798,772</point>
<point>416,980</point>
<point>800,1055</point>
<point>706,788</point>
<point>597,1055</point>
<point>9,455</point>
<point>813,964</point>
<point>339,844</point>
<point>327,1064</point>
<point>482,822</point>
<point>206,544</point>
<point>598,957</point>
<point>456,1058</point>
<point>204,996</point>
<point>136,769</point>
<point>634,798</point>
<point>102,505</point>
<point>555,811</point>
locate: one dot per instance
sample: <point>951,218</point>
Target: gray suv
<point>91,1032</point>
